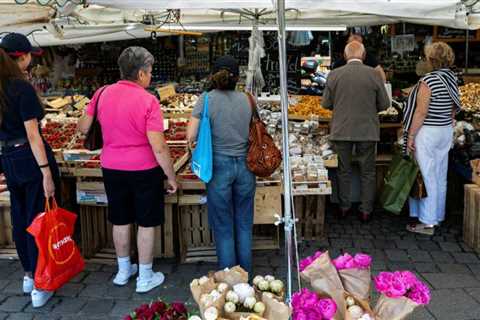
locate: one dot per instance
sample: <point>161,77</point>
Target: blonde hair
<point>440,55</point>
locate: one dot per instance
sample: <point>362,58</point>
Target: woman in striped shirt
<point>432,107</point>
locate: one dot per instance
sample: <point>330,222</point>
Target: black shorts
<point>135,196</point>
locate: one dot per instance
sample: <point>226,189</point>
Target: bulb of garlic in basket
<point>206,300</point>
<point>276,286</point>
<point>355,311</point>
<point>263,285</point>
<point>259,308</point>
<point>215,295</point>
<point>257,280</point>
<point>350,301</point>
<point>230,307</point>
<point>194,318</point>
<point>243,290</point>
<point>222,287</point>
<point>202,280</point>
<point>211,314</point>
<point>232,297</point>
<point>249,302</point>
<point>366,316</point>
<point>269,278</point>
<point>194,283</point>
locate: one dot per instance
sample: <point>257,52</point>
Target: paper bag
<point>324,279</point>
<point>394,308</point>
<point>363,304</point>
<point>232,277</point>
<point>275,310</point>
<point>199,290</point>
<point>357,282</point>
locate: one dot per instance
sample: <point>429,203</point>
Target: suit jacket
<point>356,93</point>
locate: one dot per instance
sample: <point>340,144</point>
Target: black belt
<point>13,143</point>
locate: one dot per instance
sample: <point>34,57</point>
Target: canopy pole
<point>287,182</point>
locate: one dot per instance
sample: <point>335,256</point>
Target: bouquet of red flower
<point>159,310</point>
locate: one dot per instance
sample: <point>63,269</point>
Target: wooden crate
<point>97,240</point>
<point>196,239</point>
<point>7,245</point>
<point>471,217</point>
<point>310,212</point>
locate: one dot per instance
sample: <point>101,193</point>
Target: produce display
<point>470,97</point>
<point>177,130</point>
<point>59,134</point>
<point>308,106</point>
<point>72,106</point>
<point>180,103</point>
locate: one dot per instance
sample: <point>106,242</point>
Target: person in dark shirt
<point>369,60</point>
<point>28,162</point>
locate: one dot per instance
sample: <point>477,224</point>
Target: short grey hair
<point>354,49</point>
<point>132,60</point>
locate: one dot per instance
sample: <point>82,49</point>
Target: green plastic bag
<point>398,183</point>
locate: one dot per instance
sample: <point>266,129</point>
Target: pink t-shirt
<point>126,112</point>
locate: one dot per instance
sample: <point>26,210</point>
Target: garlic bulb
<point>243,290</point>
<point>276,286</point>
<point>269,278</point>
<point>366,316</point>
<point>355,311</point>
<point>194,318</point>
<point>249,302</point>
<point>257,280</point>
<point>350,301</point>
<point>211,314</point>
<point>230,307</point>
<point>203,280</point>
<point>194,283</point>
<point>222,287</point>
<point>264,285</point>
<point>215,295</point>
<point>259,308</point>
<point>232,297</point>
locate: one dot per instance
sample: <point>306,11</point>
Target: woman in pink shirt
<point>135,159</point>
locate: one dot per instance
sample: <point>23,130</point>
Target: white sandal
<point>421,228</point>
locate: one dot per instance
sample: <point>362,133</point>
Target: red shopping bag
<point>59,259</point>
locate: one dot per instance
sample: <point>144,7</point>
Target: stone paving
<point>450,268</point>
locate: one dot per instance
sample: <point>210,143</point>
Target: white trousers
<point>432,145</point>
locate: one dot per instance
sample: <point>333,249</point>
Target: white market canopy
<point>109,20</point>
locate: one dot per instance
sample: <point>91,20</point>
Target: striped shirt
<point>441,102</point>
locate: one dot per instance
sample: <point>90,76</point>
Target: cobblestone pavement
<point>450,268</point>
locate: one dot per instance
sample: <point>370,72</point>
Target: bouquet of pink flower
<point>354,271</point>
<point>307,305</point>
<point>320,273</point>
<point>402,292</point>
<point>309,260</point>
<point>159,310</point>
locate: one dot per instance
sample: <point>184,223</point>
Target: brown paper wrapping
<point>198,291</point>
<point>357,282</point>
<point>232,277</point>
<point>323,278</point>
<point>274,309</point>
<point>394,309</point>
<point>244,315</point>
<point>259,293</point>
<point>363,304</point>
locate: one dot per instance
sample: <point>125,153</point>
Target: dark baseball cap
<point>226,63</point>
<point>16,45</point>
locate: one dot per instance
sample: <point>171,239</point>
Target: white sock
<point>146,271</point>
<point>124,264</point>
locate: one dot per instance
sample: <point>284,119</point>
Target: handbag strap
<point>95,110</point>
<point>205,107</point>
<point>253,106</point>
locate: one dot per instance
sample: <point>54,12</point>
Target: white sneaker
<point>27,285</point>
<point>40,297</point>
<point>145,285</point>
<point>122,278</point>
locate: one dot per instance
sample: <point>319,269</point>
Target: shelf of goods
<point>471,217</point>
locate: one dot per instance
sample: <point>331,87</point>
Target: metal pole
<point>287,183</point>
<point>467,49</point>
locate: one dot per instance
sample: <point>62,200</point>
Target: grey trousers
<point>365,153</point>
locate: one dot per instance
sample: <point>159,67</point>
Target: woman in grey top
<point>231,192</point>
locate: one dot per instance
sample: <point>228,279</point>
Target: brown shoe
<point>365,217</point>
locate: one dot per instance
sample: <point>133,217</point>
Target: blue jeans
<point>230,200</point>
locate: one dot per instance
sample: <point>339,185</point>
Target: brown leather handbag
<point>419,191</point>
<point>94,139</point>
<point>263,156</point>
